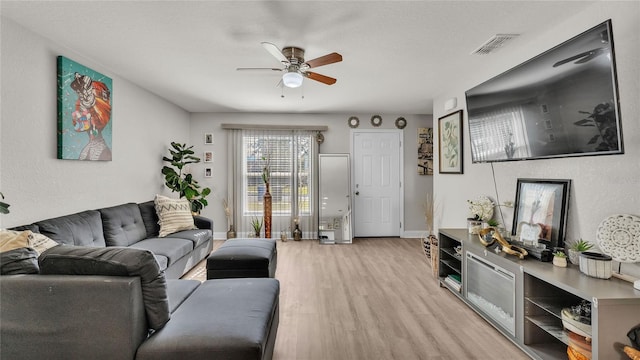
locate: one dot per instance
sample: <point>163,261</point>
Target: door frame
<point>400,164</point>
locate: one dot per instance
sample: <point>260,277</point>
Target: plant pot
<point>232,232</point>
<point>560,261</point>
<point>595,264</point>
<point>297,234</point>
<point>574,256</point>
<point>474,226</point>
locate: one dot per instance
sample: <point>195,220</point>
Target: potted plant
<point>4,207</point>
<point>184,183</point>
<point>256,223</point>
<point>576,247</point>
<point>560,259</point>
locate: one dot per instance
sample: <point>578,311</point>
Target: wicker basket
<point>434,254</point>
<point>426,245</point>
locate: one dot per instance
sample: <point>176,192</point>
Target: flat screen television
<point>564,102</point>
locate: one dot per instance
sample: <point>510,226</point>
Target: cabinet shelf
<point>551,325</point>
<point>455,266</point>
<point>451,252</point>
<point>548,305</point>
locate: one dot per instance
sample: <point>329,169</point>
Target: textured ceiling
<point>397,54</point>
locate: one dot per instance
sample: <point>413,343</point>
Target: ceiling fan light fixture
<point>292,79</point>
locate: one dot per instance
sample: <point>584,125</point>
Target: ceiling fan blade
<point>270,69</point>
<point>321,78</point>
<point>273,50</point>
<point>324,60</point>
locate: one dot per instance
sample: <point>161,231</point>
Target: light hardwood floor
<point>374,299</point>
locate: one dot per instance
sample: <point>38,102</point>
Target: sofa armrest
<point>68,316</point>
<point>202,222</point>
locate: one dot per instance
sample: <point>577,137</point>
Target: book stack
<point>453,280</point>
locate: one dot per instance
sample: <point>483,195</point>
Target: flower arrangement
<point>481,208</point>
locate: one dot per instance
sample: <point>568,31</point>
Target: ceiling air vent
<point>493,44</point>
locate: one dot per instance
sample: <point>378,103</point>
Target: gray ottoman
<point>243,258</point>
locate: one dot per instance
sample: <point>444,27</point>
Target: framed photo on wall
<point>450,143</point>
<point>208,156</point>
<point>208,138</point>
<point>208,172</point>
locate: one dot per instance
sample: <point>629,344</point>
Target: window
<point>290,155</point>
<point>287,157</point>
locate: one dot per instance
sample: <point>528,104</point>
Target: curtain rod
<point>273,127</point>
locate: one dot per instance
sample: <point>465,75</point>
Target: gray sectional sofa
<point>132,225</point>
<point>111,291</point>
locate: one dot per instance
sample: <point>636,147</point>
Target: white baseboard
<point>414,234</point>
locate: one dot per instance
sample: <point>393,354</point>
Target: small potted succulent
<point>576,247</point>
<point>560,259</point>
<point>256,223</point>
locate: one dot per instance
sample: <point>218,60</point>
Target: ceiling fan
<point>295,67</point>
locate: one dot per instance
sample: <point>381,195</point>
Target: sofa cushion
<point>174,215</point>
<point>179,290</point>
<point>172,248</point>
<point>80,229</point>
<point>22,260</point>
<point>122,225</point>
<point>240,321</point>
<point>114,261</point>
<point>150,218</point>
<point>198,236</point>
<point>163,261</point>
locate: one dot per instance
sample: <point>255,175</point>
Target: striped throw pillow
<point>174,215</point>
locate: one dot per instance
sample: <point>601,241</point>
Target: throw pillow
<point>40,243</point>
<point>114,261</point>
<point>11,239</point>
<point>174,215</point>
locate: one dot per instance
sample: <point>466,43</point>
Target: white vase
<point>574,256</point>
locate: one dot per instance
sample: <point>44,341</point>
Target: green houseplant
<point>560,259</point>
<point>4,207</point>
<point>256,223</point>
<point>576,247</point>
<point>184,184</point>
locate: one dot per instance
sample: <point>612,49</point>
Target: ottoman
<point>243,258</point>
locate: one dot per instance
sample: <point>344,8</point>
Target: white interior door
<point>377,183</point>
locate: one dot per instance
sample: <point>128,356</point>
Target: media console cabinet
<point>523,298</point>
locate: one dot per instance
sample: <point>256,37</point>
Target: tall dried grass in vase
<point>430,241</point>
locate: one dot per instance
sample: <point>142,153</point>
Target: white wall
<point>34,182</point>
<point>337,140</point>
<point>602,185</point>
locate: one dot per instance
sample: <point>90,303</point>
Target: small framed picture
<point>208,156</point>
<point>450,142</point>
<point>208,138</point>
<point>208,172</point>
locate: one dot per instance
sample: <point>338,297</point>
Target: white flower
<point>481,209</point>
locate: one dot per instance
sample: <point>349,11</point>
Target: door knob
<point>357,192</point>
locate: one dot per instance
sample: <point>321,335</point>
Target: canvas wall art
<point>84,112</point>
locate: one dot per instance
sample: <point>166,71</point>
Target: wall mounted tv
<point>561,103</point>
